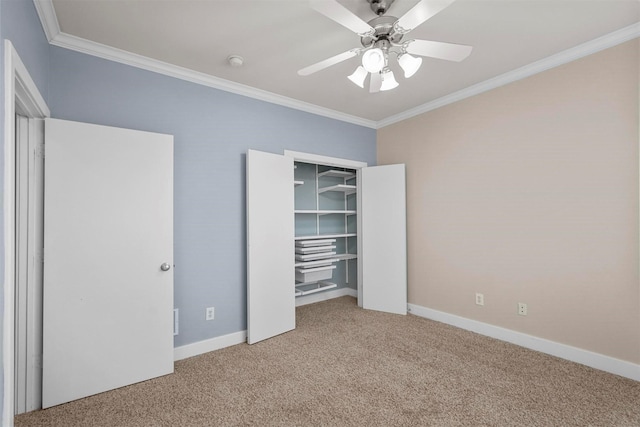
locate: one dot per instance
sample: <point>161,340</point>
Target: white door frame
<point>29,217</point>
<point>20,93</point>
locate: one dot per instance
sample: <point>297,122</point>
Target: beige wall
<point>529,193</point>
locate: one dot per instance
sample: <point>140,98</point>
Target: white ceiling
<point>279,37</point>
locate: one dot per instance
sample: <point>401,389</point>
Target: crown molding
<point>88,47</point>
<point>56,37</point>
<point>609,40</point>
<point>48,18</point>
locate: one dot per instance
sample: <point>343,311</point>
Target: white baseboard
<point>206,346</point>
<point>324,296</point>
<point>563,351</point>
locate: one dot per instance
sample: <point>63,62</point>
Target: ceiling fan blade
<point>343,16</point>
<point>440,50</point>
<point>328,62</point>
<point>375,82</point>
<point>419,13</point>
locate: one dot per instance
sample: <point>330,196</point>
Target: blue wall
<point>19,23</point>
<point>212,130</point>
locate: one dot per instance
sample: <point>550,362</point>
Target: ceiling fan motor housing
<point>383,26</point>
<point>380,7</point>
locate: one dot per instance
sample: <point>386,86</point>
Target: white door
<point>270,246</point>
<point>383,238</point>
<point>108,303</point>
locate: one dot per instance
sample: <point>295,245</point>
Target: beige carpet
<point>344,366</point>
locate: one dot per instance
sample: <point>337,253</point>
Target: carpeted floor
<point>344,366</point>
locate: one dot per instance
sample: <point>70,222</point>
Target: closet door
<point>383,238</point>
<point>270,246</point>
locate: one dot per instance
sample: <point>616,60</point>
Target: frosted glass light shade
<point>373,60</point>
<point>358,76</point>
<point>388,81</point>
<point>410,64</point>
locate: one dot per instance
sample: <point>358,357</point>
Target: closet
<point>321,227</point>
<point>325,201</point>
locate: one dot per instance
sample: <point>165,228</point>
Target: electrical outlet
<point>210,314</point>
<point>522,309</point>
<point>479,299</point>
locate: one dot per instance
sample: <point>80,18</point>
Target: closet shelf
<point>314,249</point>
<point>346,189</point>
<point>320,286</point>
<point>306,270</point>
<point>314,256</point>
<point>320,262</point>
<point>343,257</point>
<point>326,212</point>
<point>337,173</point>
<point>315,273</point>
<point>314,242</point>
<point>326,261</point>
<point>325,236</point>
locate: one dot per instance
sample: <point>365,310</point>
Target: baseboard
<point>563,351</point>
<point>206,346</point>
<point>324,296</point>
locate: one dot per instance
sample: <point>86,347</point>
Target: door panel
<point>383,246</point>
<point>108,307</point>
<point>270,246</point>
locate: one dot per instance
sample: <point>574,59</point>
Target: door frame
<point>29,217</point>
<point>20,94</point>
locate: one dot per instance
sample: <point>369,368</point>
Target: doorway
<point>28,290</point>
<point>21,97</point>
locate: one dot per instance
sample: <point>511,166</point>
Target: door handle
<point>165,267</point>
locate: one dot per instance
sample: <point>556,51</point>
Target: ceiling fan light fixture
<point>410,64</point>
<point>358,76</point>
<point>373,60</point>
<point>385,35</point>
<point>388,80</point>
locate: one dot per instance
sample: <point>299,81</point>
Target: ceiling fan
<point>382,36</point>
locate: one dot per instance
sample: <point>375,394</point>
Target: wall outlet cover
<point>522,309</point>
